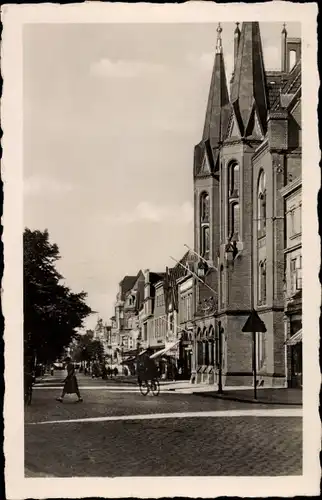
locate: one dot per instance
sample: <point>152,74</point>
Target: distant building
<point>101,333</point>
<point>125,324</point>
<point>153,332</point>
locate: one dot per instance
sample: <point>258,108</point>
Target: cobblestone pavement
<point>226,445</point>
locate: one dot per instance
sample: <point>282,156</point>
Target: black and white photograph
<point>166,239</point>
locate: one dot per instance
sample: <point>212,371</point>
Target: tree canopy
<point>88,348</point>
<point>52,312</point>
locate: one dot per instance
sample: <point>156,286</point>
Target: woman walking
<point>70,383</point>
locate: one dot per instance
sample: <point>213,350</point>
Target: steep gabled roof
<point>217,115</point>
<point>126,284</point>
<point>177,272</point>
<point>290,87</point>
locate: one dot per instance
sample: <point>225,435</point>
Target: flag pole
<point>200,257</point>
<point>195,275</point>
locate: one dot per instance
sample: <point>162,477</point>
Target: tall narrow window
<point>261,205</point>
<point>299,273</point>
<point>260,350</point>
<point>204,207</point>
<point>262,283</point>
<point>292,59</point>
<point>234,220</point>
<point>204,225</point>
<point>205,242</point>
<point>221,287</point>
<point>234,180</point>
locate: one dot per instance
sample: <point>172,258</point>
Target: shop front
<point>293,312</point>
<point>166,359</point>
<point>185,356</point>
<point>294,344</point>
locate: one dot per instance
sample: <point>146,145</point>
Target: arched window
<point>205,242</point>
<point>260,350</point>
<point>262,282</point>
<point>221,287</point>
<point>204,207</point>
<point>199,348</point>
<point>234,219</point>
<point>261,204</point>
<point>234,179</point>
<point>204,225</point>
<point>211,346</point>
<point>292,59</point>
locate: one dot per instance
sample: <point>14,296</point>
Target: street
<point>118,432</point>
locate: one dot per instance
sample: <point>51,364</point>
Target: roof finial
<point>284,32</point>
<point>237,30</point>
<point>219,41</point>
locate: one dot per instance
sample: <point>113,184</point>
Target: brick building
<point>125,323</point>
<point>152,333</point>
<point>250,149</point>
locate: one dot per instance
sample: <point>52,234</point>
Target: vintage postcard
<point>161,293</point>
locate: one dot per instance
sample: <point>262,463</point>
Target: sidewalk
<point>274,396</point>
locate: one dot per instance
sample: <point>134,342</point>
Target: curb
<point>241,400</point>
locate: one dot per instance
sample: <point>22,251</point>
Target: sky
<point>112,113</point>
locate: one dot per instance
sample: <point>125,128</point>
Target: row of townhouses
<point>247,234</point>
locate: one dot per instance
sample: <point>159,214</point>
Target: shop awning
<point>165,350</point>
<point>295,339</point>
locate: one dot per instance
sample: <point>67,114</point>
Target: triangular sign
<point>254,323</point>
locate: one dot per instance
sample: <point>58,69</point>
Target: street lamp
<point>219,362</point>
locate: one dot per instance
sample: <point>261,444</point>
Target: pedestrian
<point>70,382</point>
<point>52,370</point>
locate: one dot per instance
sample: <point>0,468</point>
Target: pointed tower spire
<point>284,49</point>
<point>217,113</point>
<point>219,40</point>
<point>236,47</point>
<point>236,42</point>
<point>248,90</point>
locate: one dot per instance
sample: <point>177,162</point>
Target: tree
<point>88,348</point>
<point>52,312</point>
<point>96,350</point>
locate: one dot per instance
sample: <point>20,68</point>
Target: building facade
<point>125,329</point>
<point>250,148</point>
<point>152,335</point>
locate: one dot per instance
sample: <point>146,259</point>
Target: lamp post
<point>220,332</point>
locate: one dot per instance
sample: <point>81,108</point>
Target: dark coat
<point>71,385</point>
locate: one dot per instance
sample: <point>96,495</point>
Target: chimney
<point>291,51</point>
